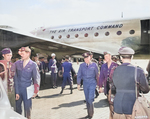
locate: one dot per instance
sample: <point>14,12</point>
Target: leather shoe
<point>86,117</point>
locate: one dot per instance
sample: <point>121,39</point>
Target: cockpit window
<point>132,32</point>
<point>119,33</point>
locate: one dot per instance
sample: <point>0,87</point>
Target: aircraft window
<point>96,34</point>
<point>119,33</point>
<point>76,35</point>
<point>52,37</point>
<point>107,34</point>
<point>59,36</point>
<point>132,32</point>
<point>68,36</point>
<point>86,34</point>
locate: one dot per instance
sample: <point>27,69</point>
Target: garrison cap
<point>107,52</point>
<point>126,51</point>
<point>86,54</point>
<point>6,51</point>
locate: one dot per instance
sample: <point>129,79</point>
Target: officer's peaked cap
<point>86,54</point>
<point>53,54</point>
<point>90,53</point>
<point>26,49</point>
<point>126,51</point>
<point>106,52</point>
<point>100,57</point>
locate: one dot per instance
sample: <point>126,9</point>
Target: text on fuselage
<point>87,28</point>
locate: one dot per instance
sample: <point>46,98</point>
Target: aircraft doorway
<point>145,32</point>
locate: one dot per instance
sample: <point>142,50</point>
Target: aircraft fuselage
<point>101,36</point>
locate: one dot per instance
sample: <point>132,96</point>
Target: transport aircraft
<point>76,39</point>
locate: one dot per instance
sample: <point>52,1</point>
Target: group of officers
<point>19,76</point>
<point>117,80</point>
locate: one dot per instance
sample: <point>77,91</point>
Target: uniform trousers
<point>27,103</point>
<point>54,78</point>
<point>67,77</point>
<point>42,78</point>
<point>89,91</point>
<point>111,107</point>
<point>121,116</point>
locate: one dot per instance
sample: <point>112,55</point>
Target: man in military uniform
<point>100,62</point>
<point>26,74</point>
<point>148,70</point>
<point>67,75</point>
<point>148,67</point>
<point>6,74</point>
<point>88,71</point>
<point>53,68</point>
<point>104,78</point>
<point>40,65</point>
<point>40,69</point>
<point>114,58</point>
<point>94,60</point>
<point>124,81</point>
<point>43,67</point>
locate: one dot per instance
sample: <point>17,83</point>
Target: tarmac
<point>53,105</point>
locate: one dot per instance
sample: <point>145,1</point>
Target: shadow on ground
<point>48,82</point>
<point>72,104</point>
<point>101,104</point>
<point>54,96</point>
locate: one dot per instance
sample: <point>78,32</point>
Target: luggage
<point>141,108</point>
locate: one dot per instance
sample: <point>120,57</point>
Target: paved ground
<point>53,105</point>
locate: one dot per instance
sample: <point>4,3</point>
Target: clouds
<point>31,14</point>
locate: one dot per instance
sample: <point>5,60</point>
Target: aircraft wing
<point>15,39</point>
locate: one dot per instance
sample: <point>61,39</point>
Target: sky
<point>30,14</point>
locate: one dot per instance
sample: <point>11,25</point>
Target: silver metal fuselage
<point>107,38</point>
